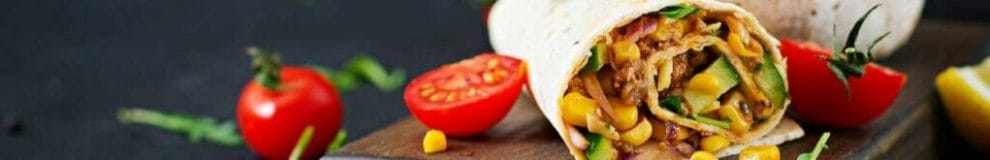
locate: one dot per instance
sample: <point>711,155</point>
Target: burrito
<point>648,78</point>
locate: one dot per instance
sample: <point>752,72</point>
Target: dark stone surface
<point>67,65</point>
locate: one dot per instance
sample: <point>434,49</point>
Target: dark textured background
<point>66,66</point>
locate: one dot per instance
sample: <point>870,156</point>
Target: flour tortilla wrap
<point>554,37</point>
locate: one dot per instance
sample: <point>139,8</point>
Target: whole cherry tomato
<point>467,97</point>
<point>819,96</point>
<point>281,102</point>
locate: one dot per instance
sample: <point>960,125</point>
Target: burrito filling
<point>701,65</point>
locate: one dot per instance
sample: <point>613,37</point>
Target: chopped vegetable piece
<point>673,103</point>
<point>600,148</point>
<point>704,88</point>
<point>338,141</point>
<point>301,144</point>
<point>818,148</point>
<point>638,135</point>
<point>769,152</point>
<point>598,59</point>
<point>370,70</point>
<point>714,143</point>
<point>626,115</point>
<point>771,82</point>
<point>709,121</point>
<point>434,141</point>
<point>197,128</point>
<point>678,11</point>
<point>702,155</point>
<point>575,107</point>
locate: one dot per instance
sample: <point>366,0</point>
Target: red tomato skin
<point>819,97</point>
<point>272,121</point>
<point>465,118</point>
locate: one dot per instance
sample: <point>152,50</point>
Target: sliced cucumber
<point>600,148</point>
<point>673,103</point>
<point>726,78</point>
<point>597,60</point>
<point>771,82</point>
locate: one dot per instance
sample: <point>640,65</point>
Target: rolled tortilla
<point>554,37</point>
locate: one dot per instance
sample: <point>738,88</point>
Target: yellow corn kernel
<point>739,124</point>
<point>434,141</point>
<point>575,107</point>
<point>702,155</point>
<point>705,83</point>
<point>736,43</point>
<point>769,152</point>
<point>659,129</point>
<point>714,143</point>
<point>638,135</point>
<point>626,115</point>
<point>625,51</point>
<point>668,29</point>
<point>682,134</point>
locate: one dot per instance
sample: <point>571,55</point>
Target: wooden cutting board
<point>907,131</point>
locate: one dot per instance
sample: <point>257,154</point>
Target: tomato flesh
<point>272,121</point>
<point>467,97</point>
<point>818,96</point>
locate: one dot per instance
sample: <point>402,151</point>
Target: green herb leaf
<point>709,121</point>
<point>197,128</point>
<point>369,69</point>
<point>301,144</point>
<point>338,141</point>
<point>678,12</point>
<point>818,148</point>
<point>673,103</point>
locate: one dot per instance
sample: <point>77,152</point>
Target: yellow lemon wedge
<point>966,98</point>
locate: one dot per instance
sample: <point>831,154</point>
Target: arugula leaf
<point>344,81</point>
<point>338,141</point>
<point>363,68</point>
<point>197,128</point>
<point>367,68</point>
<point>300,147</point>
<point>678,11</point>
<point>818,148</point>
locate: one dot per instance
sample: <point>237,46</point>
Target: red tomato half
<point>273,120</point>
<point>818,96</point>
<point>467,97</point>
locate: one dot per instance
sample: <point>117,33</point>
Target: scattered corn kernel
<point>626,115</point>
<point>638,135</point>
<point>760,153</point>
<point>714,143</point>
<point>702,155</point>
<point>575,107</point>
<point>625,51</point>
<point>434,141</point>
